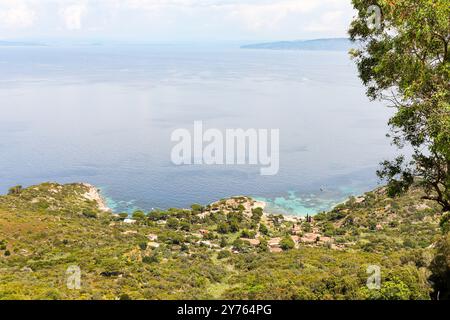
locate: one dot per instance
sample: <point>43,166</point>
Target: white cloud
<point>269,15</point>
<point>328,22</point>
<point>73,15</point>
<point>176,19</point>
<point>16,14</point>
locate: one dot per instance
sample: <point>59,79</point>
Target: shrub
<point>223,242</point>
<point>248,234</point>
<point>150,259</point>
<point>223,228</point>
<point>445,223</point>
<point>90,214</point>
<point>143,245</point>
<point>287,243</point>
<point>234,226</point>
<point>307,227</point>
<point>238,245</point>
<point>263,229</point>
<point>223,254</point>
<point>185,226</point>
<point>139,215</point>
<point>173,223</point>
<point>257,214</point>
<point>197,207</point>
<point>263,245</point>
<point>123,215</point>
<point>440,268</point>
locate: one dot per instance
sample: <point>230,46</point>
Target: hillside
<point>229,249</point>
<point>336,44</point>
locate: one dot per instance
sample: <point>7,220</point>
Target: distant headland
<point>331,44</point>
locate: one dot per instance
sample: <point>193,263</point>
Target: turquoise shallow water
<point>294,203</point>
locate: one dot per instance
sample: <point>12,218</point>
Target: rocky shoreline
<point>93,194</point>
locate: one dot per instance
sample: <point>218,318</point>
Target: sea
<point>104,114</point>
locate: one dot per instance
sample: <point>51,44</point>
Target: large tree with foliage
<point>405,60</point>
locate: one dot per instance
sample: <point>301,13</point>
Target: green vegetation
<point>405,61</point>
<point>287,243</point>
<point>224,250</point>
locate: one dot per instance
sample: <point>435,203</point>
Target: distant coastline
<point>331,44</point>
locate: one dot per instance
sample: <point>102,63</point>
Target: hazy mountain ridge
<point>332,44</point>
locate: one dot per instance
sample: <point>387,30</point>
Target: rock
<point>128,232</point>
<point>93,194</point>
<point>359,200</point>
<point>153,245</point>
<point>152,237</point>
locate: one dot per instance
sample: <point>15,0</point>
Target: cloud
<point>269,15</point>
<point>16,14</point>
<point>176,19</point>
<point>73,15</point>
<point>329,21</point>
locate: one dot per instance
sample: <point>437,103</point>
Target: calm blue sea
<point>104,114</point>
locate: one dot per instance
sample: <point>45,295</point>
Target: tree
<point>15,190</point>
<point>404,60</point>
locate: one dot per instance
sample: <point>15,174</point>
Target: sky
<point>174,20</point>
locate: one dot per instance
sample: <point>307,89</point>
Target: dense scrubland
<point>230,249</point>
